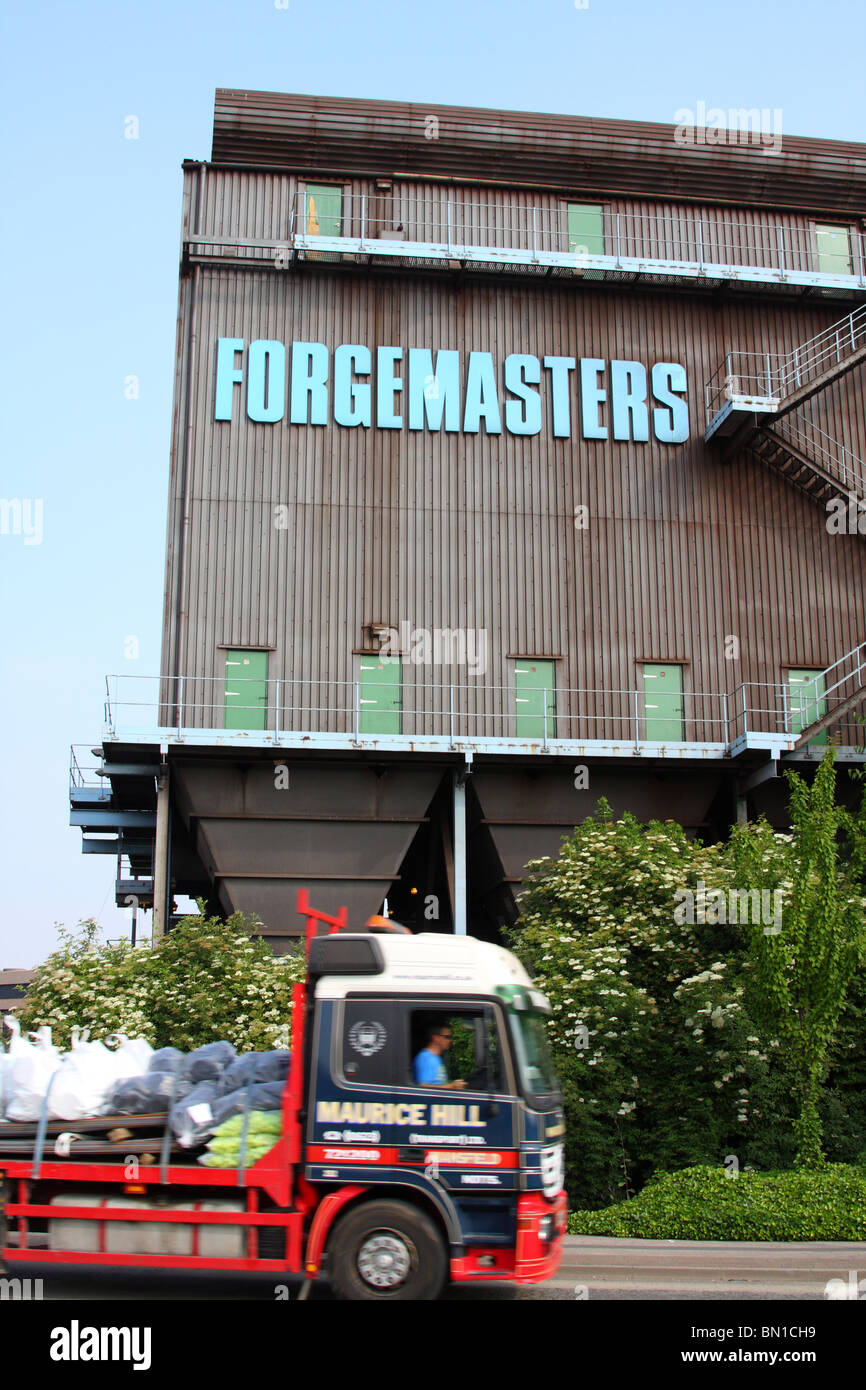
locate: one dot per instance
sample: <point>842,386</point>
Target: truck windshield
<point>534,1061</point>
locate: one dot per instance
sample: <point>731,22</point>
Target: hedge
<point>703,1203</point>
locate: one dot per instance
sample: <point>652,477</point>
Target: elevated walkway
<point>251,814</point>
<point>459,233</point>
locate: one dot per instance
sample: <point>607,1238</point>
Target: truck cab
<point>460,1177</point>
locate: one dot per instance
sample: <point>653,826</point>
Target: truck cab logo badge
<point>367,1038</point>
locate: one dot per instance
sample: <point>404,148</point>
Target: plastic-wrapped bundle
<point>233,1160</point>
<point>89,1072</point>
<point>260,1124</point>
<point>200,1113</point>
<point>256,1066</point>
<point>18,1047</point>
<point>30,1072</point>
<point>228,1147</point>
<point>166,1059</point>
<point>207,1063</point>
<point>191,1118</point>
<point>150,1094</point>
<point>262,1096</point>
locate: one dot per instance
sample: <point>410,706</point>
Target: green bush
<point>704,1203</point>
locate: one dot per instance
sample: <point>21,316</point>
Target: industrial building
<point>517,461</point>
<point>13,989</point>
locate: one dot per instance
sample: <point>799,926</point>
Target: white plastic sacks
<point>77,1083</point>
<point>18,1047</point>
<point>89,1072</point>
<point>29,1070</point>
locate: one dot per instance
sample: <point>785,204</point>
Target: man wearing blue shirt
<point>428,1066</point>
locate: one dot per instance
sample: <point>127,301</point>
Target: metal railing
<point>774,376</point>
<point>683,237</point>
<point>356,711</point>
<point>781,709</point>
<point>837,461</point>
<point>408,226</point>
<point>83,769</point>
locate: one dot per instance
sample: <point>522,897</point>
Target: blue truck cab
<point>473,1159</point>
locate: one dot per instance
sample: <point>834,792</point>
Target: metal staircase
<point>832,694</point>
<point>775,383</point>
<point>755,401</point>
<point>810,459</point>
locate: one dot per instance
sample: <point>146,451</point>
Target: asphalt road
<point>593,1268</point>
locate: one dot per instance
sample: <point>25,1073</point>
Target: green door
<point>807,702</point>
<point>586,234</point>
<point>834,249</point>
<point>324,210</point>
<point>535,697</point>
<point>663,703</point>
<point>381,695</point>
<point>246,690</point>
<point>324,216</point>
<point>586,229</point>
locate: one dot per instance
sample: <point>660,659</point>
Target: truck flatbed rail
<point>93,1124</point>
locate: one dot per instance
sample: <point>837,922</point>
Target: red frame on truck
<point>275,1174</point>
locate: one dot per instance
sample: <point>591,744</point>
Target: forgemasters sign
<point>393,388</point>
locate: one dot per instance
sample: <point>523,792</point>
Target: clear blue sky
<point>91,225</point>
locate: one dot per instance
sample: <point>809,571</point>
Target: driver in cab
<point>428,1067</point>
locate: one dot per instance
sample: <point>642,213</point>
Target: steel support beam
<point>460,853</point>
<point>97,821</point>
<point>127,770</point>
<point>160,855</point>
<point>761,774</point>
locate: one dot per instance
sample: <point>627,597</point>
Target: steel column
<point>160,855</point>
<point>460,853</point>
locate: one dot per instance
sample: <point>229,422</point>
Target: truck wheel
<point>386,1252</point>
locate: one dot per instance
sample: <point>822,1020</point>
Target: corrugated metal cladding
<point>341,136</point>
<point>471,531</point>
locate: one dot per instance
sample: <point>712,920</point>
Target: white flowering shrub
<point>207,979</point>
<point>85,983</point>
<point>652,979</point>
<point>629,985</point>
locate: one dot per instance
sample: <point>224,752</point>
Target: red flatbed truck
<point>386,1187</point>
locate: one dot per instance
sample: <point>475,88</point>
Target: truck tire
<point>386,1252</point>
